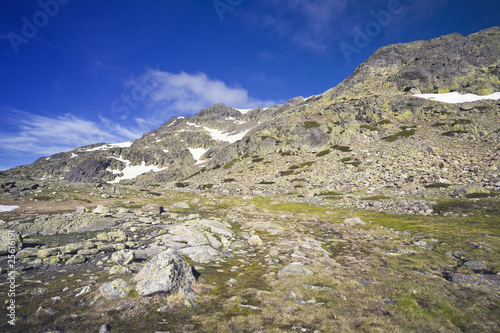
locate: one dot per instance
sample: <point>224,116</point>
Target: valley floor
<point>263,264</point>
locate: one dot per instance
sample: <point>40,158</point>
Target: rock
<point>294,268</point>
<point>117,269</point>
<point>115,289</point>
<point>195,201</point>
<point>102,210</point>
<point>489,283</point>
<point>351,222</point>
<point>81,210</point>
<point>166,273</point>
<point>202,254</point>
<point>105,328</point>
<point>88,171</point>
<point>153,210</point>
<point>71,248</point>
<point>39,291</point>
<point>255,240</point>
<point>10,242</point>
<point>45,253</point>
<point>181,205</point>
<point>469,190</point>
<point>476,265</point>
<point>77,259</point>
<point>123,257</point>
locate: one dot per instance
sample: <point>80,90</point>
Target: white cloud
<point>37,134</point>
<point>190,93</point>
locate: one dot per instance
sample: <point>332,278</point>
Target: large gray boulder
<point>165,273</point>
<point>10,240</point>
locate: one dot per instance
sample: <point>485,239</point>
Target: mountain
<point>370,133</point>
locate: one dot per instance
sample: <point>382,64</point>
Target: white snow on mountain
<point>455,97</point>
<point>221,136</point>
<point>108,146</point>
<point>4,208</point>
<point>197,154</point>
<point>243,111</point>
<point>132,171</point>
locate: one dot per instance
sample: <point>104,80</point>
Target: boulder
<point>115,289</point>
<point>165,273</point>
<point>294,268</point>
<point>152,209</point>
<point>123,257</point>
<point>202,254</point>
<point>76,259</point>
<point>351,222</point>
<point>10,242</point>
<point>255,241</point>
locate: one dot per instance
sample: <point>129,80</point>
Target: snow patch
<point>108,146</point>
<point>221,136</point>
<point>234,120</point>
<point>4,208</point>
<point>197,154</point>
<point>165,151</point>
<point>132,171</point>
<point>243,111</point>
<point>192,124</point>
<point>455,97</point>
<point>73,155</point>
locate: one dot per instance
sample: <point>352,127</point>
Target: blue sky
<point>76,72</point>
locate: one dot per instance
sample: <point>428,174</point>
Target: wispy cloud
<point>309,24</point>
<point>28,133</point>
<point>159,95</point>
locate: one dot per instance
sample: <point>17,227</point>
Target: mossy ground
<point>360,284</point>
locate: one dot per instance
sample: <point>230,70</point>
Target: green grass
<point>301,165</point>
<point>454,133</point>
<point>342,148</point>
<point>370,128</point>
<point>229,180</point>
<point>437,185</point>
<point>402,134</point>
<point>311,124</point>
<point>461,122</point>
<point>256,160</point>
<point>385,122</point>
<point>323,153</point>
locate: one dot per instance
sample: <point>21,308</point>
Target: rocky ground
<point>154,259</point>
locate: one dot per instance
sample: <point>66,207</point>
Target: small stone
<point>105,328</point>
<point>115,289</point>
<point>77,259</point>
<point>351,222</point>
<point>123,257</point>
<point>294,268</point>
<point>39,291</point>
<point>255,240</point>
<point>119,270</point>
